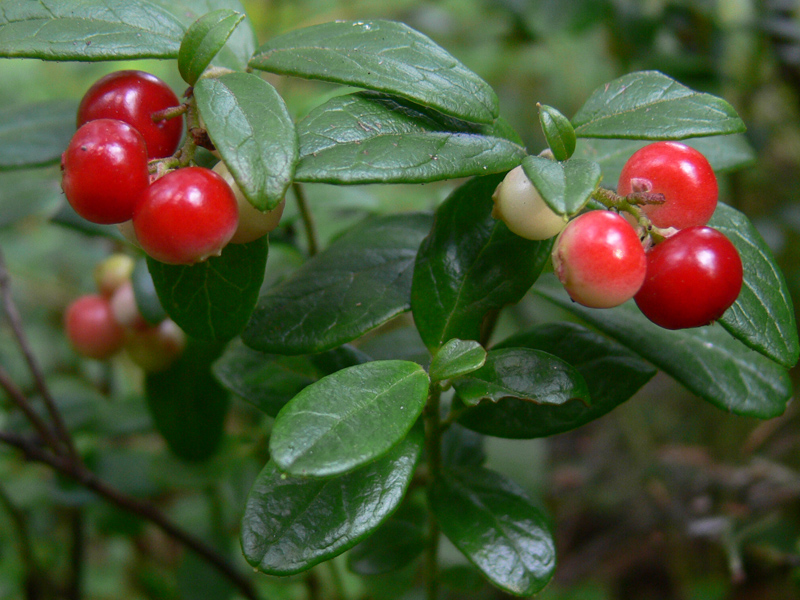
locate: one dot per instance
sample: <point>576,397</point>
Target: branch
<point>308,218</point>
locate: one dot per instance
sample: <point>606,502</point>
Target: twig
<point>16,395</point>
<point>33,576</point>
<point>308,218</point>
<point>433,449</point>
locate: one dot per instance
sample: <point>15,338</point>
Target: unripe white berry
<point>523,210</point>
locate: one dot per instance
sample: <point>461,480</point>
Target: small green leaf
<point>291,524</point>
<point>649,105</point>
<point>254,133</point>
<point>525,374</point>
<point>203,40</point>
<point>373,138</point>
<point>359,282</point>
<point>565,186</point>
<point>385,56</point>
<point>707,360</point>
<point>349,418</point>
<point>611,372</point>
<point>213,299</point>
<point>456,358</point>
<point>187,404</point>
<point>144,290</point>
<point>558,132</point>
<point>491,520</point>
<point>469,265</point>
<point>34,135</point>
<point>763,315</point>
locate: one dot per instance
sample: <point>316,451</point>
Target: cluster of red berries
<point>680,272</point>
<point>127,122</point>
<point>101,325</point>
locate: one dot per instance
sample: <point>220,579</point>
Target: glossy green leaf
<point>203,40</point>
<point>612,374</point>
<point>144,290</point>
<point>339,358</point>
<point>349,418</point>
<point>385,56</point>
<point>707,360</point>
<point>565,186</point>
<point>456,358</point>
<point>34,135</point>
<point>213,299</point>
<point>374,138</point>
<point>763,314</point>
<point>187,404</point>
<point>359,282</point>
<point>395,544</point>
<point>649,105</point>
<point>291,524</point>
<point>558,132</point>
<point>254,133</point>
<point>493,522</point>
<point>462,447</point>
<point>30,192</point>
<point>469,265</point>
<point>268,381</point>
<point>110,29</point>
<point>525,374</point>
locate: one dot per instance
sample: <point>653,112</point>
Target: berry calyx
<point>682,174</point>
<point>186,216</point>
<point>520,206</point>
<point>253,223</point>
<point>91,328</point>
<point>133,97</point>
<point>692,278</point>
<point>599,259</point>
<point>105,171</point>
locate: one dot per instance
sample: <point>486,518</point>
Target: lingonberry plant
<point>374,448</point>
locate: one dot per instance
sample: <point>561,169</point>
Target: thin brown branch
<point>18,398</point>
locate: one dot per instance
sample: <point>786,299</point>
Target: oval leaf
<point>203,40</point>
<point>349,418</point>
<point>558,132</point>
<point>649,105</point>
<point>359,282</point>
<point>251,128</point>
<point>213,299</point>
<point>525,374</point>
<point>373,138</point>
<point>565,186</point>
<point>491,520</point>
<point>385,56</point>
<point>456,358</point>
<point>291,524</point>
<point>707,360</point>
<point>34,135</point>
<point>469,265</point>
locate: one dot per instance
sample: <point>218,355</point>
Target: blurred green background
<point>665,498</point>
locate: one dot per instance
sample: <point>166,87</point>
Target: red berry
<point>186,216</point>
<point>133,97</point>
<point>692,278</point>
<point>91,328</point>
<point>105,171</point>
<point>679,172</point>
<point>599,259</point>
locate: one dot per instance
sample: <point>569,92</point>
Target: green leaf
<point>558,132</point>
<point>268,381</point>
<point>34,135</point>
<point>203,40</point>
<point>462,447</point>
<point>707,360</point>
<point>251,127</point>
<point>763,315</point>
<point>612,374</point>
<point>525,374</point>
<point>291,524</point>
<point>144,290</point>
<point>385,56</point>
<point>456,358</point>
<point>373,138</point>
<point>565,186</point>
<point>213,299</point>
<point>29,192</point>
<point>649,105</point>
<point>491,520</point>
<point>349,418</point>
<point>359,282</point>
<point>110,29</point>
<point>469,265</point>
<point>187,404</point>
<point>339,358</point>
